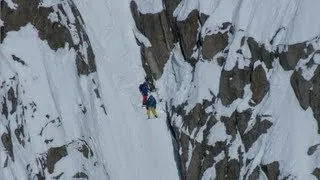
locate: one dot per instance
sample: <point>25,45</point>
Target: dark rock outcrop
<point>54,155</point>
<point>188,30</point>
<point>316,173</point>
<point>290,58</point>
<point>312,149</point>
<point>215,43</point>
<point>28,12</point>
<point>80,175</point>
<point>55,33</point>
<point>7,143</point>
<point>308,92</point>
<point>259,52</point>
<point>259,84</point>
<point>302,89</point>
<point>271,170</point>
<point>156,27</point>
<point>232,84</point>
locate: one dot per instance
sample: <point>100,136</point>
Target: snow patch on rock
<point>149,6</point>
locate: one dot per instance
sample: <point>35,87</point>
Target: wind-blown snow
<point>176,81</point>
<point>295,18</point>
<point>217,133</point>
<point>149,6</point>
<point>47,80</point>
<point>49,3</point>
<point>141,38</point>
<point>11,4</point>
<point>184,9</point>
<point>294,131</point>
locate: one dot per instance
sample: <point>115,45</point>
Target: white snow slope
<point>135,148</point>
<point>126,144</point>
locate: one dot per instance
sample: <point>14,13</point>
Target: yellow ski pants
<point>151,109</point>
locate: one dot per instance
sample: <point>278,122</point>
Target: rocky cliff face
<point>232,132</point>
<point>240,81</point>
<point>40,138</point>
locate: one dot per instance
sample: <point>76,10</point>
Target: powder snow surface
<point>126,144</point>
<point>134,147</point>
<point>260,19</point>
<point>48,79</point>
<point>149,6</point>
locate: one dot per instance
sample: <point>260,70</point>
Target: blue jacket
<point>144,88</point>
<point>151,102</point>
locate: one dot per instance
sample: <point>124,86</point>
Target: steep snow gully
<point>71,118</point>
<point>135,148</point>
<point>237,84</point>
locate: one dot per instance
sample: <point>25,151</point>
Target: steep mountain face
<point>69,100</point>
<point>44,47</point>
<point>237,84</point>
<point>240,80</point>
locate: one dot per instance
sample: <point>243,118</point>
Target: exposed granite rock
<point>80,175</point>
<point>255,174</point>
<point>54,155</point>
<point>14,101</point>
<point>56,33</point>
<point>315,96</point>
<point>302,89</point>
<point>290,58</point>
<point>4,110</point>
<point>232,84</point>
<point>19,132</point>
<point>203,18</point>
<point>271,170</point>
<point>227,169</point>
<point>215,43</point>
<point>85,149</point>
<point>7,143</point>
<point>260,127</point>
<point>308,92</point>
<point>189,36</point>
<point>156,27</point>
<point>170,6</point>
<point>28,12</point>
<point>316,173</point>
<point>230,124</point>
<point>259,84</point>
<point>19,60</point>
<point>259,52</point>
<point>313,149</point>
<point>194,168</point>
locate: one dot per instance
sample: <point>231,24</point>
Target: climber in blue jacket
<point>144,90</point>
<point>151,106</point>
